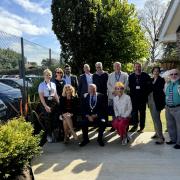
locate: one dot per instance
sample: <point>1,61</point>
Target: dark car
<point>11,97</point>
<point>3,110</point>
<point>15,82</point>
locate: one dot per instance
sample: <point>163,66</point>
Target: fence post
<point>50,57</point>
<point>23,75</point>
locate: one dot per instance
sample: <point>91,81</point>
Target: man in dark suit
<point>84,80</point>
<point>69,78</point>
<point>139,85</point>
<point>93,114</point>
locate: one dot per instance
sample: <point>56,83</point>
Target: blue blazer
<point>83,85</point>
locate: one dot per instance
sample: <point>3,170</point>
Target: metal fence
<point>21,63</point>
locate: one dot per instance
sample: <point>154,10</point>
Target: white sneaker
<point>49,139</point>
<point>124,141</point>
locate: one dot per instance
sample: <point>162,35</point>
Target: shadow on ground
<point>140,159</point>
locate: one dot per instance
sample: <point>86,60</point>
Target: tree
<point>98,30</point>
<point>48,62</point>
<point>9,59</point>
<point>151,17</point>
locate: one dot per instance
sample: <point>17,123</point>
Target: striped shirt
<point>170,97</point>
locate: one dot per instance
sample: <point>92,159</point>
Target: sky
<point>31,19</point>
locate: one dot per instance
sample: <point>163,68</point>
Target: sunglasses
<point>58,72</point>
<point>175,74</point>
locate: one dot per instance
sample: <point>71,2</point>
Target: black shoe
<point>170,142</point>
<point>154,136</point>
<point>140,130</point>
<point>84,143</point>
<point>161,141</point>
<point>112,129</point>
<point>100,142</point>
<point>133,129</point>
<point>176,146</point>
<point>77,129</point>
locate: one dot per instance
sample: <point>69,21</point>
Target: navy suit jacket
<point>83,85</point>
<point>99,109</point>
<point>74,82</point>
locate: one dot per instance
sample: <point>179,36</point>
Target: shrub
<point>33,91</point>
<point>18,146</point>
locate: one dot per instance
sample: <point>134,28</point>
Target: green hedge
<point>18,146</point>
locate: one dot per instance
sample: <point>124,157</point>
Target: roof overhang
<point>170,23</point>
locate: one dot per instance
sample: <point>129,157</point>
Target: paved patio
<point>140,160</point>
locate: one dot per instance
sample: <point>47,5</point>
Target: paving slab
<point>140,160</point>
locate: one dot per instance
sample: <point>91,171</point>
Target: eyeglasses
<point>58,72</point>
<point>174,74</point>
<point>98,67</point>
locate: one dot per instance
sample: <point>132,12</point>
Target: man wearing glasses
<point>172,92</point>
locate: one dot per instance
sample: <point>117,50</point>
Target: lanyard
<point>138,77</point>
<point>117,76</point>
<point>49,89</point>
<point>94,104</point>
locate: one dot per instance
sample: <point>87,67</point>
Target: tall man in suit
<point>139,85</point>
<point>70,78</point>
<point>93,113</point>
<point>84,80</point>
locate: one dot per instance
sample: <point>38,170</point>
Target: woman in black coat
<point>156,102</point>
<point>60,82</point>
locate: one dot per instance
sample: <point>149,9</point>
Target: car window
<point>4,87</point>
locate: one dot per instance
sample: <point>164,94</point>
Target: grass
<point>149,126</point>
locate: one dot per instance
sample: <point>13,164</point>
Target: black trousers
<point>49,120</point>
<point>97,123</point>
<point>138,108</point>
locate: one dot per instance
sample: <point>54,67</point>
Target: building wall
<point>178,42</point>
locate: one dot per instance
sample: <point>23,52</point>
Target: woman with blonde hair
<point>49,100</point>
<point>68,106</point>
<point>122,109</point>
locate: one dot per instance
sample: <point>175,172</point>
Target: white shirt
<point>89,78</point>
<point>49,89</point>
<point>112,81</point>
<point>122,106</point>
<point>67,79</point>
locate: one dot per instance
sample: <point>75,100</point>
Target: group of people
<point>100,95</point>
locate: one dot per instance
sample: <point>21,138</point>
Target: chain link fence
<point>21,68</point>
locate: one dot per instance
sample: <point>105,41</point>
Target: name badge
<point>178,89</point>
<point>138,87</point>
<point>110,118</point>
<point>50,98</point>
